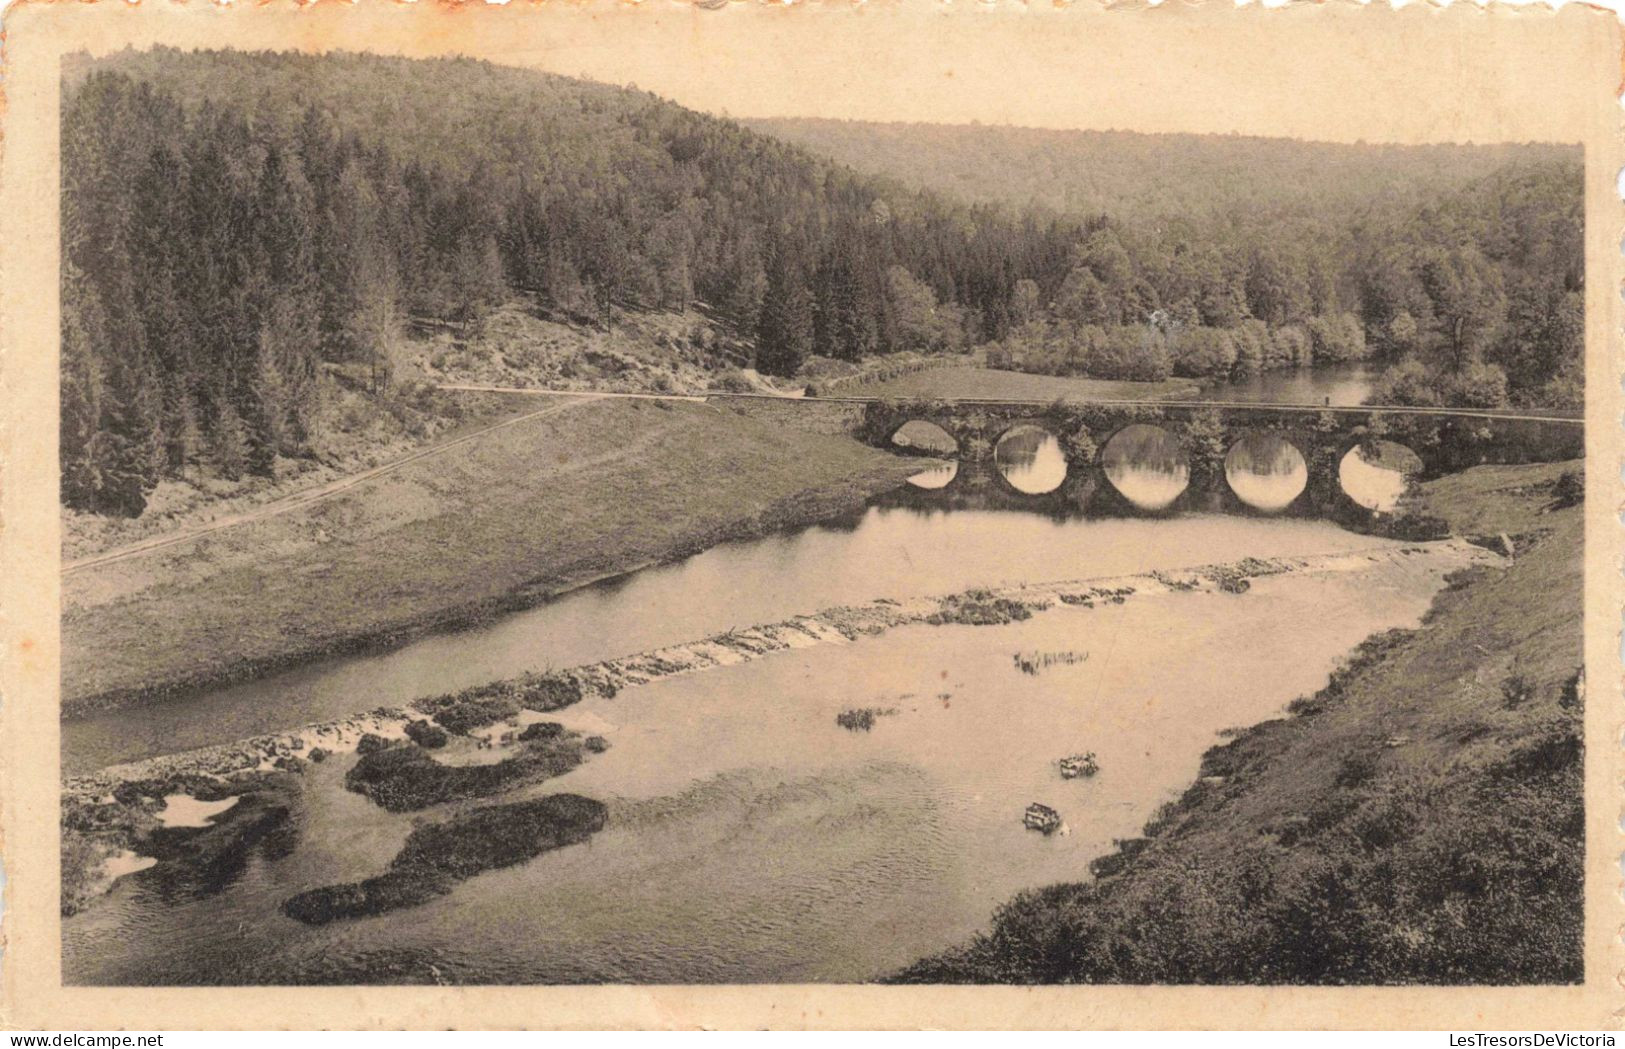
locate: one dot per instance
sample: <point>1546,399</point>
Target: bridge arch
<point>1265,469</point>
<point>914,435</point>
<point>1147,464</point>
<point>1376,482</point>
<point>1030,458</point>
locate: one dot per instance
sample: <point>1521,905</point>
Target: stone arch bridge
<point>1445,440</point>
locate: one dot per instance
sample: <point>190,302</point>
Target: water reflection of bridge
<point>1091,491</point>
<point>1133,456</point>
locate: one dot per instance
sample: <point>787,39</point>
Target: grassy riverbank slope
<point>595,489</point>
<point>368,431</point>
<point>1419,820</point>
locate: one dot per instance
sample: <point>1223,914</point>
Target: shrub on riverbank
<point>979,608</point>
<point>862,719</point>
<point>427,736</point>
<point>475,708</point>
<point>1568,489</point>
<point>547,692</point>
<point>404,779</point>
<point>541,730</point>
<point>463,712</point>
<point>439,855</point>
<point>83,861</point>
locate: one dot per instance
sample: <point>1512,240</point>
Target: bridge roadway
<point>1527,414</point>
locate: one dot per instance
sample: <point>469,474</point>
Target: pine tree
<point>129,422</point>
<point>857,323</point>
<point>745,287</point>
<point>228,442</point>
<point>524,242</point>
<point>824,309</point>
<point>264,408</point>
<point>785,331</point>
<point>183,434</point>
<point>83,450</point>
<point>606,265</point>
<point>377,320</point>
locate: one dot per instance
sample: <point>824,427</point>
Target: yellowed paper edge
<point>1333,71</point>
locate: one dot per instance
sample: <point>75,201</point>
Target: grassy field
<point>1420,819</point>
<point>374,436</point>
<point>1017,386</point>
<point>492,525</point>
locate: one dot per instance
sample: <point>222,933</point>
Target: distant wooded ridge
<point>1171,180</point>
<point>240,228</point>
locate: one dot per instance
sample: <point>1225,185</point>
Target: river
<point>889,550</point>
<point>751,838</point>
<point>884,552</point>
<point>1339,385</point>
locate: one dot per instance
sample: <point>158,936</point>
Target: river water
<point>884,552</point>
<point>1339,385</point>
<point>750,837</point>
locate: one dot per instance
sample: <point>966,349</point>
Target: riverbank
<point>1419,819</point>
<point>520,515</point>
<point>424,421</point>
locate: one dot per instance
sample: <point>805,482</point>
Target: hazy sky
<point>1309,71</point>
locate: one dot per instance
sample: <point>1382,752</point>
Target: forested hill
<point>1157,180</point>
<point>234,224</point>
<point>243,231</point>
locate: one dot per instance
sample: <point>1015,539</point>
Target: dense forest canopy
<point>240,228</point>
<point>1466,256</point>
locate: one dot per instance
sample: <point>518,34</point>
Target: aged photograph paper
<point>842,515</point>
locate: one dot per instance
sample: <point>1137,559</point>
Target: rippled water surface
<point>750,837</point>
<point>898,551</point>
